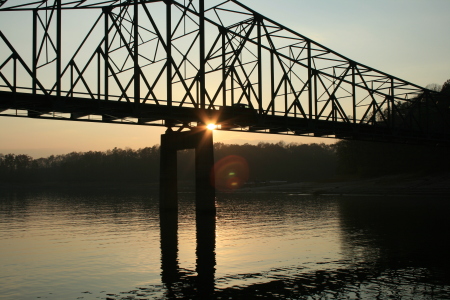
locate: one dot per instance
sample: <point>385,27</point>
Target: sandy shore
<point>403,184</point>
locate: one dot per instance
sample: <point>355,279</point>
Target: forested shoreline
<point>266,162</point>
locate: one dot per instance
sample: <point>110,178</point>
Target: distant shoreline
<point>437,184</point>
<point>81,186</point>
<point>400,184</point>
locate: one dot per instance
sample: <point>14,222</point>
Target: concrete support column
<point>204,174</point>
<point>168,173</point>
<point>201,140</point>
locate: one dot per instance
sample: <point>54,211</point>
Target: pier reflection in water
<point>272,246</point>
<point>177,281</point>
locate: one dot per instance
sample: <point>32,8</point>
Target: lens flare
<point>211,126</point>
<point>231,173</point>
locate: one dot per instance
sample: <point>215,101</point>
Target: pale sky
<point>405,38</point>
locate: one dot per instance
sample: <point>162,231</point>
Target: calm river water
<point>110,245</point>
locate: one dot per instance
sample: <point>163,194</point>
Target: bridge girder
<point>227,61</point>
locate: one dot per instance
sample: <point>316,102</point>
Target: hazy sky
<point>406,38</point>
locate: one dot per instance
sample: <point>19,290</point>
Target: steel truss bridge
<point>180,65</point>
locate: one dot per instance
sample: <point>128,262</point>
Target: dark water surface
<point>110,245</point>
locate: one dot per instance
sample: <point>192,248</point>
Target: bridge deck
<point>227,118</point>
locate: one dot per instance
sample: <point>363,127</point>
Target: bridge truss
<point>173,64</point>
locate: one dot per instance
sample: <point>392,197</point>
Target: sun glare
<point>211,126</point>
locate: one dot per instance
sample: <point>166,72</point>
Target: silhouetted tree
<point>368,159</point>
<point>266,161</point>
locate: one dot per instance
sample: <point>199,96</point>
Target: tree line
<point>371,159</point>
<point>266,161</point>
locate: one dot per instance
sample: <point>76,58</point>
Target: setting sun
<point>211,126</point>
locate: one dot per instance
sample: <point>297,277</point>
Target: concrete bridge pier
<point>200,139</point>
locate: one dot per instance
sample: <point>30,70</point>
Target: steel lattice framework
<point>176,64</point>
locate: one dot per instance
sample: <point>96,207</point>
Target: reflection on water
<point>115,246</point>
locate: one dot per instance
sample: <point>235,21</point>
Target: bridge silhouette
<point>165,63</point>
<point>185,65</point>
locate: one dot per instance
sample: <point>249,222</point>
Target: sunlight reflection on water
<point>72,245</point>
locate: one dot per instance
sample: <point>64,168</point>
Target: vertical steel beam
<point>34,70</point>
<point>315,95</point>
<point>169,51</point>
<point>72,87</point>
<point>391,106</point>
<point>14,74</point>
<point>137,77</point>
<point>286,105</point>
<point>232,85</point>
<point>374,112</point>
<point>334,109</point>
<point>354,92</point>
<point>106,59</point>
<point>427,113</point>
<point>58,47</point>
<point>99,81</point>
<point>202,54</point>
<point>272,81</point>
<point>310,89</point>
<point>224,79</point>
<point>260,69</point>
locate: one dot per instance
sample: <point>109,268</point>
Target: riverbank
<point>400,184</point>
<point>81,186</point>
